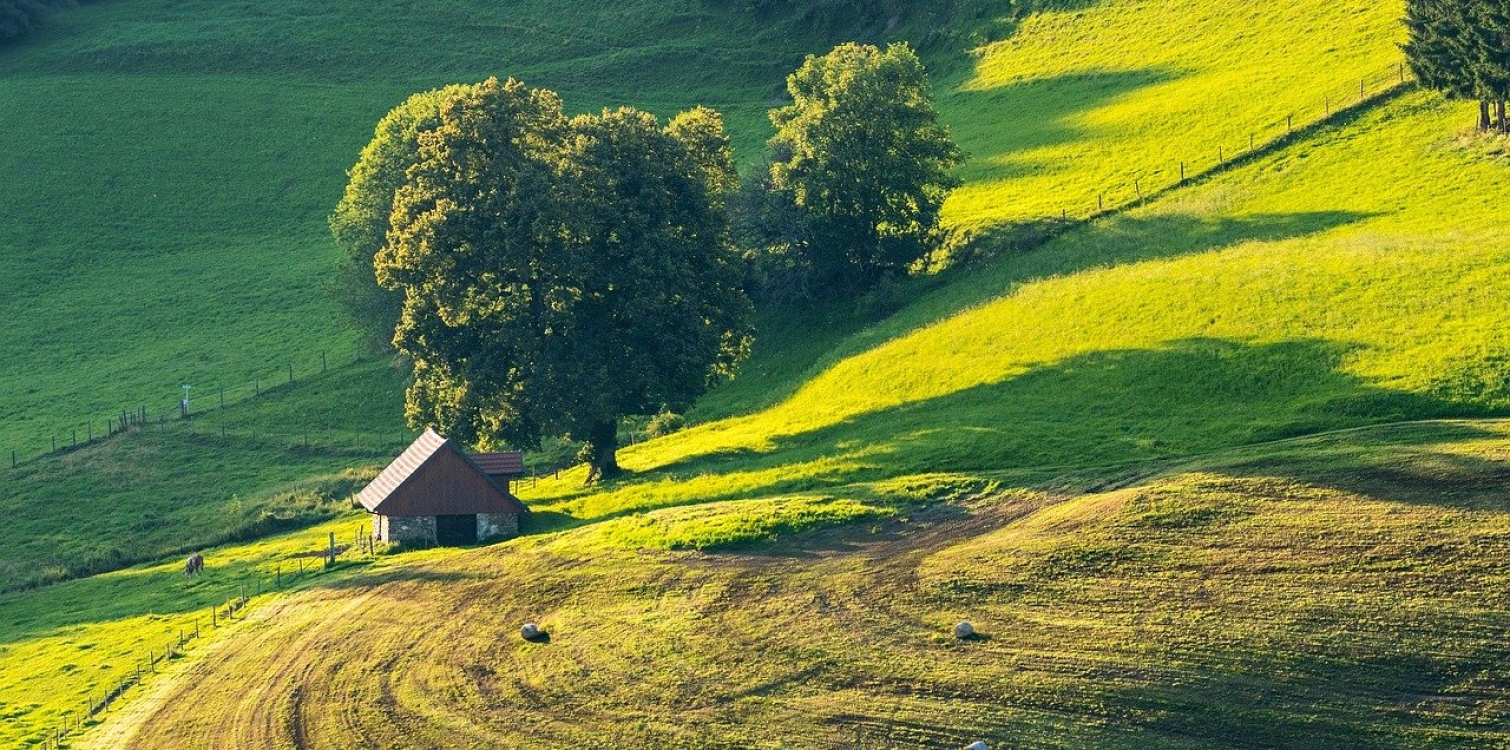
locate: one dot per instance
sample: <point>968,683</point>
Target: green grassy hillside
<point>1315,288</point>
<point>1089,449</point>
<point>171,166</point>
<point>1085,101</point>
<point>172,163</point>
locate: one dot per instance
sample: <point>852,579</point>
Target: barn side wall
<point>497,525</point>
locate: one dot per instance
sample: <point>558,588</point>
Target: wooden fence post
<point>290,372</point>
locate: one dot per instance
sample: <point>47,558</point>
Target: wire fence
<point>196,400</point>
<point>1147,183</point>
<point>286,573</point>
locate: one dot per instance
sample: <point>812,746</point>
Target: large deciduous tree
<point>560,274</point>
<point>1462,48</point>
<point>865,161</point>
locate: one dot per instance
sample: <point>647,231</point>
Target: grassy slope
<point>171,166</point>
<point>1079,364</point>
<point>1335,592</point>
<point>1087,100</point>
<point>1315,288</point>
<point>1313,592</point>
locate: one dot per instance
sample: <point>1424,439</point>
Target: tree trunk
<point>1504,126</point>
<point>602,448</point>
<point>1483,115</point>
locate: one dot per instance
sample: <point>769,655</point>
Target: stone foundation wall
<point>497,525</point>
<point>404,528</point>
<point>422,528</point>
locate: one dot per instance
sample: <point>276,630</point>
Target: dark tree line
<point>20,17</point>
<point>1462,48</point>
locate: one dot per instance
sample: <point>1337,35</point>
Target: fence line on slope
<point>1151,182</point>
<point>141,416</point>
<point>99,701</point>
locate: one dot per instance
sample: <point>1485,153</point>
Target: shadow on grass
<point>1116,240</point>
<point>1046,111</point>
<point>1107,409</point>
<point>1402,464</point>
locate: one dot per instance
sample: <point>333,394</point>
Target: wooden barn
<point>435,493</point>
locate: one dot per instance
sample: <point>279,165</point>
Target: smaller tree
<point>864,159</point>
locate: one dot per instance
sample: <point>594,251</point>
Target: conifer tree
<point>1462,48</point>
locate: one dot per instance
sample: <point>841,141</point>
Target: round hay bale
<point>977,745</point>
<point>530,631</point>
<point>963,631</point>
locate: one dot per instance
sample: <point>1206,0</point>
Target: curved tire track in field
<point>845,641</point>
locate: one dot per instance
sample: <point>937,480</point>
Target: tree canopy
<point>559,274</point>
<point>864,160</point>
<point>360,221</point>
<point>1462,48</point>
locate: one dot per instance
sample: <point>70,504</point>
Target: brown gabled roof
<point>434,477</point>
<point>508,463</point>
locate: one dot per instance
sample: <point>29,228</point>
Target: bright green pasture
<point>66,644</point>
<point>1089,99</point>
<point>1316,288</point>
<point>170,164</point>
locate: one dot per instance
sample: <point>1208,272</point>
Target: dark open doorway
<point>456,529</point>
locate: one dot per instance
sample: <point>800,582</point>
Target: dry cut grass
<point>1339,592</point>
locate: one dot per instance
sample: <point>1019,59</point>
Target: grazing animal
<point>194,565</point>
